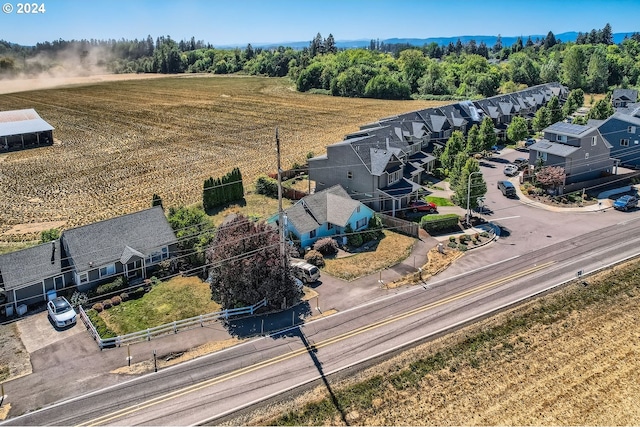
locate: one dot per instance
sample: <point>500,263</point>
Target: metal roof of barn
<point>19,122</point>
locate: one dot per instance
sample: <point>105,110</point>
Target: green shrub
<point>267,186</point>
<point>100,325</point>
<point>116,300</point>
<point>138,293</point>
<point>111,288</point>
<point>463,247</point>
<point>462,238</point>
<point>452,244</point>
<point>106,304</point>
<point>78,298</point>
<point>434,223</point>
<point>315,258</point>
<point>97,307</point>
<point>326,246</point>
<point>124,296</point>
<point>452,238</point>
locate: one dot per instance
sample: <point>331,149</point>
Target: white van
<point>304,271</point>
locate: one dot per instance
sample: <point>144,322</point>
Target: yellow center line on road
<point>207,383</point>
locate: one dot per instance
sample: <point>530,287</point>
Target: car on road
<point>511,170</point>
<point>61,312</point>
<point>423,206</point>
<point>521,163</point>
<point>507,188</point>
<point>625,203</point>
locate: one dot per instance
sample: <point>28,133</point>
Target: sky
<point>239,22</point>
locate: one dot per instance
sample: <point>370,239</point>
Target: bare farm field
<point>118,142</point>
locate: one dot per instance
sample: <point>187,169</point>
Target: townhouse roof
<point>630,95</point>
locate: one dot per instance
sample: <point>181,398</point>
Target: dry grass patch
<point>568,358</point>
<point>14,357</point>
<point>122,141</point>
<point>391,249</point>
<point>436,263</point>
<point>253,206</point>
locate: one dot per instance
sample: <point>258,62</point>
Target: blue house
<point>325,214</point>
<point>622,131</point>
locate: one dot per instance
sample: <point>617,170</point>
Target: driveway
<point>37,331</point>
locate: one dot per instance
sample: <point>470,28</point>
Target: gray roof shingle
<point>30,265</point>
<point>108,241</point>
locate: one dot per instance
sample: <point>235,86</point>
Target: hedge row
<point>435,222</point>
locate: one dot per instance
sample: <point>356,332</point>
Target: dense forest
<point>592,63</point>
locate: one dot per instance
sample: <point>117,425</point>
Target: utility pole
<point>280,212</point>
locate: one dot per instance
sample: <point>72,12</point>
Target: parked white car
<point>61,313</point>
<point>511,170</point>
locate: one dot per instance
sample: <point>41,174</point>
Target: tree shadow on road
<point>245,327</point>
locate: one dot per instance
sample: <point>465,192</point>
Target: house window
<point>329,226</point>
<point>155,257</point>
<point>109,270</point>
<point>395,176</point>
<point>561,138</point>
<point>358,209</point>
<point>593,140</point>
<point>361,223</point>
<point>165,252</point>
<point>312,234</point>
<point>624,142</point>
<point>349,175</point>
<point>84,278</point>
<point>542,156</point>
<point>586,156</point>
<point>631,129</point>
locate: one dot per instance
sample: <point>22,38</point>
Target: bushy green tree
<point>598,71</point>
<point>487,134</point>
<point>517,129</point>
<point>474,142</point>
<point>194,231</point>
<point>601,110</point>
<point>540,119</point>
<point>384,86</point>
<point>554,110</point>
<point>478,185</point>
<point>455,144</point>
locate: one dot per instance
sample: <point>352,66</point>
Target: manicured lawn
<point>392,249</point>
<point>440,201</point>
<point>176,299</point>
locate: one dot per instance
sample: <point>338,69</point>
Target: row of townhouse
<point>382,164</point>
<point>594,150</point>
<point>129,245</point>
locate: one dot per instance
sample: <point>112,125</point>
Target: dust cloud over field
<point>118,143</point>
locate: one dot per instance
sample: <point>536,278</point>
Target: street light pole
<point>469,197</point>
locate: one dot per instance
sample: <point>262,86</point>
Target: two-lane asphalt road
<point>226,381</point>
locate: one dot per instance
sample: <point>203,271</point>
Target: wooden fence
<point>400,225</point>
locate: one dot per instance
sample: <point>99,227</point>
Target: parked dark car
<point>625,203</point>
<point>507,188</point>
<point>521,163</point>
<point>422,206</point>
<point>529,142</point>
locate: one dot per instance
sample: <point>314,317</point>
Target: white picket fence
<point>173,327</point>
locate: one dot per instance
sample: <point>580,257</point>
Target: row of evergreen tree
<point>220,191</point>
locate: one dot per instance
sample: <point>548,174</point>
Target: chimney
<point>53,252</point>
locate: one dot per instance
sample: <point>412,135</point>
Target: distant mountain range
<point>488,40</point>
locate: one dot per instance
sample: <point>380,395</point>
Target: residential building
<point>622,132</point>
<point>325,214</point>
<point>128,245</point>
<point>623,97</point>
<point>580,150</point>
